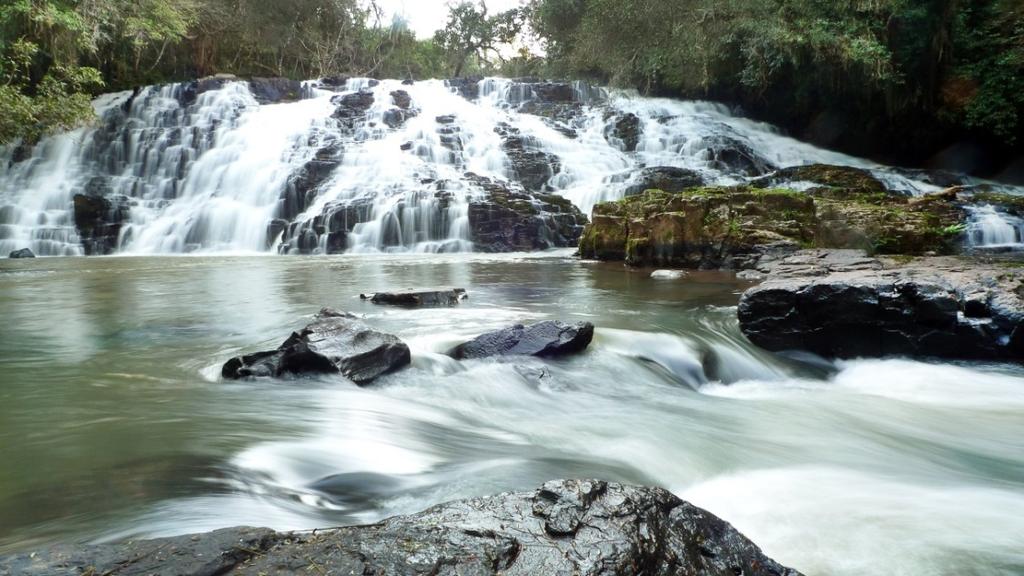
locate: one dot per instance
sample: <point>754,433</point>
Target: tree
<point>471,32</point>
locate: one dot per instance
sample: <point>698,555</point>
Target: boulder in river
<point>855,306</point>
<point>564,527</point>
<point>419,298</point>
<point>548,338</point>
<point>21,253</point>
<point>334,342</point>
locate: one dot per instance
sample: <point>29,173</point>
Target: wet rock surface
<point>664,178</point>
<point>99,220</point>
<point>21,253</point>
<point>419,298</point>
<point>510,219</point>
<point>845,304</point>
<point>548,338</point>
<point>275,90</point>
<point>566,527</point>
<point>334,342</point>
<point>626,130</point>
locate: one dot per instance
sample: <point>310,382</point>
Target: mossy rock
<point>835,181</point>
<point>707,226</point>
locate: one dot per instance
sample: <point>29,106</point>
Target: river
<point>114,423</point>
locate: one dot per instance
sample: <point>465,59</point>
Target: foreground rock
<point>22,253</point>
<point>844,304</point>
<point>549,338</point>
<point>419,298</point>
<point>567,527</point>
<point>333,342</point>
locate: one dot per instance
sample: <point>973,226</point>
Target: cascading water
<point>371,166</point>
<point>992,228</point>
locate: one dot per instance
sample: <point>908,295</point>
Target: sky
<point>426,16</point>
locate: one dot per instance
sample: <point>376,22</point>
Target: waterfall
<point>361,165</point>
<point>989,227</point>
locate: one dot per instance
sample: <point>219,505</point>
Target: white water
<point>989,227</point>
<point>210,173</point>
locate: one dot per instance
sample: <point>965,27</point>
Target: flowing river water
<point>114,423</point>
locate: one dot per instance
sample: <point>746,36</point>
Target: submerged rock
<point>858,306</point>
<point>668,274</point>
<point>22,253</point>
<point>566,527</point>
<point>334,342</point>
<point>419,298</point>
<point>549,338</point>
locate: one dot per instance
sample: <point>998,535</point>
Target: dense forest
<point>898,79</point>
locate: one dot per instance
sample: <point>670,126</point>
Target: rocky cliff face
<point>566,527</point>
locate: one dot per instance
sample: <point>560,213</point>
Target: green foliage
<point>471,33</point>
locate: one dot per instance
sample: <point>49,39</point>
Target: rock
<point>565,527</point>
<point>215,82</point>
<point>668,274</point>
<point>664,178</point>
<point>99,221</point>
<point>396,117</point>
<point>506,219</point>
<point>401,99</point>
<point>846,179</point>
<point>858,306</point>
<point>752,275</point>
<point>626,129</point>
<point>716,227</point>
<point>333,342</point>
<point>468,88</point>
<point>548,338</point>
<point>553,92</point>
<point>274,90</point>
<point>351,108</point>
<point>21,253</point>
<point>419,298</point>
<point>446,119</point>
<point>531,166</point>
<point>735,157</point>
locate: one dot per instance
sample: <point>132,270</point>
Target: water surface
<point>113,422</point>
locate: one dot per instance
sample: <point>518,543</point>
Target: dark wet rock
<point>507,219</point>
<point>553,92</point>
<point>211,83</point>
<point>446,119</point>
<point>468,88</point>
<point>850,305</point>
<point>566,527</point>
<point>625,129</point>
<point>99,221</point>
<point>334,342</point>
<point>531,166</point>
<point>732,156</point>
<point>408,82</point>
<point>351,108</point>
<point>548,338</point>
<point>396,117</point>
<point>304,186</point>
<point>274,90</point>
<point>664,178</point>
<point>845,180</point>
<point>406,146</point>
<point>274,230</point>
<point>334,81</point>
<point>419,298</point>
<point>401,99</point>
<point>21,253</point>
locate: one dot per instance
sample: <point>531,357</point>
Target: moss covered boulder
<point>714,227</point>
